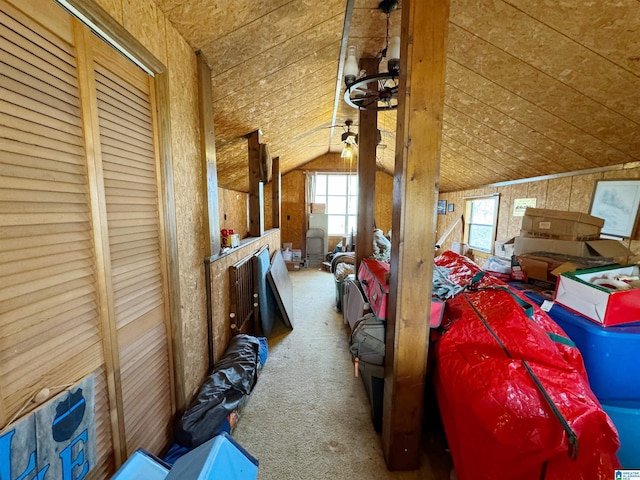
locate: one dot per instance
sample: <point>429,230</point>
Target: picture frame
<point>442,207</point>
<point>617,202</point>
<point>450,207</point>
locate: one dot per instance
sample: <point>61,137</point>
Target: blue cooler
<point>626,418</point>
<point>221,458</point>
<point>142,464</point>
<point>610,353</point>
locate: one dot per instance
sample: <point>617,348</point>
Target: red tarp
<point>497,421</point>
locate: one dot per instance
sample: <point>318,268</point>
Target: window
<point>339,192</point>
<point>480,228</point>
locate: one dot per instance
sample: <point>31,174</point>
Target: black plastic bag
<point>231,380</point>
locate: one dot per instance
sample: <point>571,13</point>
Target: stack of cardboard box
<point>556,241</point>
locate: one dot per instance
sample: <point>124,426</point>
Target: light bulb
<point>350,66</point>
<point>393,54</point>
<point>348,152</point>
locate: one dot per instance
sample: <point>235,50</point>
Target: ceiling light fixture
<point>350,140</point>
<point>379,91</point>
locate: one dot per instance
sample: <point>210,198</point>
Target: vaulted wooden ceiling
<point>533,87</point>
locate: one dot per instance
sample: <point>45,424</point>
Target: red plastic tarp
<point>499,423</point>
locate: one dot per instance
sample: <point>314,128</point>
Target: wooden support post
<point>256,194</point>
<point>367,143</point>
<point>208,149</point>
<point>419,131</point>
<point>276,194</point>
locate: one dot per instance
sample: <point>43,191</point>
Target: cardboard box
<point>292,265</point>
<point>535,268</point>
<point>296,255</point>
<point>504,248</point>
<point>317,208</point>
<point>607,306</point>
<point>560,224</point>
<point>613,249</point>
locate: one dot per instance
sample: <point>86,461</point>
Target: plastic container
<point>610,353</point>
<point>141,465</point>
<point>219,458</point>
<point>626,418</point>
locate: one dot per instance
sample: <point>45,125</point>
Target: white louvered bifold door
<point>129,166</point>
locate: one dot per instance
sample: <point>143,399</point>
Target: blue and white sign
<point>55,442</point>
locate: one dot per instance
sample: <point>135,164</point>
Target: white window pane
<point>337,184</point>
<point>336,225</point>
<point>352,207</point>
<point>480,237</point>
<point>353,224</point>
<point>337,205</point>
<point>321,188</point>
<point>353,185</point>
<point>482,211</point>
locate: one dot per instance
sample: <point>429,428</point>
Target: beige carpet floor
<point>308,417</point>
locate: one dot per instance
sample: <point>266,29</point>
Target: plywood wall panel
<point>202,21</point>
<point>532,148</point>
<point>189,203</point>
<point>550,94</point>
<point>595,151</point>
<point>268,32</point>
<point>538,190</point>
<point>232,207</point>
<point>536,43</point>
<point>383,201</point>
<point>582,191</point>
<point>293,209</point>
<point>558,193</point>
<point>113,8</point>
<point>325,35</point>
<point>269,94</point>
<point>146,22</point>
<point>494,155</point>
<point>607,28</point>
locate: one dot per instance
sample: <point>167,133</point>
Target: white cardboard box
<point>606,306</point>
<point>504,248</point>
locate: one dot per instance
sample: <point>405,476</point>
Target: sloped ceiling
<point>532,87</point>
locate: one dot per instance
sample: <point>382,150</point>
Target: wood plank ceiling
<point>532,88</point>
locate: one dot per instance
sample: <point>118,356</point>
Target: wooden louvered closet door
<point>130,171</point>
<point>82,261</point>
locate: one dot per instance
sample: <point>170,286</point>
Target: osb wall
<point>220,303</point>
<point>572,193</point>
<point>232,207</point>
<point>146,23</point>
<point>293,198</point>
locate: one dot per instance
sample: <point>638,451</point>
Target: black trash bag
<point>231,380</point>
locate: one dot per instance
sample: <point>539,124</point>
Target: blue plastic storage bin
<point>221,458</point>
<point>626,418</point>
<point>610,353</point>
<point>141,465</point>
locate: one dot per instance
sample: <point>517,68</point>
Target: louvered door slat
<point>145,390</point>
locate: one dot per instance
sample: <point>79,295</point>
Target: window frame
<point>348,195</point>
<point>468,221</point>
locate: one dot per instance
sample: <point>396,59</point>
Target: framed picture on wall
<point>442,207</point>
<point>617,202</point>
